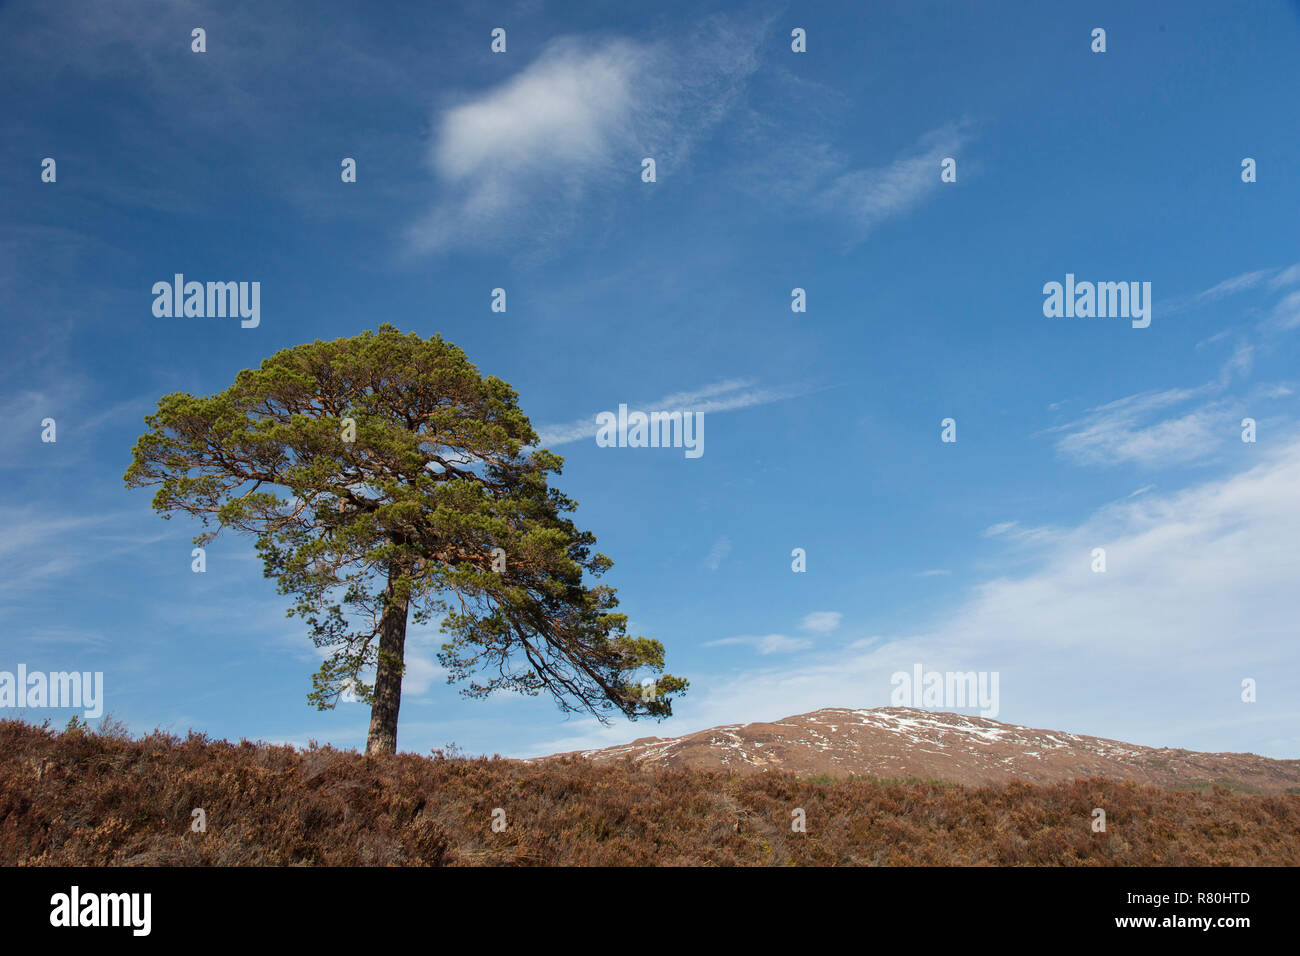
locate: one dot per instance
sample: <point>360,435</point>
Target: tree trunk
<point>388,676</point>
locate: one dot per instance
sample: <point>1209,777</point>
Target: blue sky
<point>775,170</point>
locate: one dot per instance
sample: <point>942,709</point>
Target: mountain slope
<point>901,742</point>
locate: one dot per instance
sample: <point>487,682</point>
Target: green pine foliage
<point>404,522</point>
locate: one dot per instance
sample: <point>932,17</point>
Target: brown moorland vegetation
<point>81,798</point>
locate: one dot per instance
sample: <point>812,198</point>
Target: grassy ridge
<point>79,798</point>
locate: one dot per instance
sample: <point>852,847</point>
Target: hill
<point>904,742</point>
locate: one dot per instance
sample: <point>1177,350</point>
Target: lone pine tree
<point>384,479</point>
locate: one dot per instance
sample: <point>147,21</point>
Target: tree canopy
<point>384,478</point>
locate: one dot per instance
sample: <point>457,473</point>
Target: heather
<point>81,798</point>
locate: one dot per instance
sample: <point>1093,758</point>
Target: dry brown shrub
<point>77,798</point>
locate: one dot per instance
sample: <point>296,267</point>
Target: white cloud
<point>719,397</point>
<point>867,197</point>
<point>1272,278</point>
<point>547,130</point>
<point>515,160</point>
<point>1247,280</point>
<point>822,622</point>
<point>1288,276</point>
<point>934,573</point>
<point>43,547</point>
<point>1002,527</point>
<point>1286,314</point>
<point>1238,365</point>
<point>1139,429</point>
<point>721,548</point>
<point>1147,429</point>
<point>766,643</point>
<point>1108,439</point>
<point>800,163</point>
<point>819,623</point>
<point>563,108</point>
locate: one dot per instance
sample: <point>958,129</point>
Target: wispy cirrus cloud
<point>1272,279</point>
<point>516,159</point>
<point>1125,431</point>
<point>812,177</point>
<point>1172,426</point>
<point>867,197</point>
<point>1286,313</point>
<point>822,622</point>
<point>725,396</point>
<point>44,547</point>
<point>721,548</point>
<point>816,624</point>
<point>1247,280</point>
<point>1177,426</point>
<point>1285,277</point>
<point>766,643</point>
